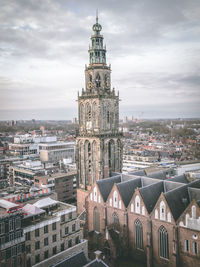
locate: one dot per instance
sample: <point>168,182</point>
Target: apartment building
<point>54,152</point>
<point>50,227</point>
<point>12,240</point>
<point>63,183</point>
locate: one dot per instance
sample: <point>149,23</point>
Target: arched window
<point>96,218</point>
<point>137,204</point>
<point>108,116</point>
<point>115,221</point>
<point>115,199</point>
<point>94,159</point>
<point>90,78</point>
<point>138,234</point>
<point>98,80</point>
<point>193,212</point>
<point>94,114</point>
<point>163,243</point>
<point>111,155</point>
<point>118,155</point>
<point>81,110</point>
<point>88,112</point>
<point>162,211</point>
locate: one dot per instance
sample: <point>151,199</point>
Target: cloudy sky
<point>153,47</point>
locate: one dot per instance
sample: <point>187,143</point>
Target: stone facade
<point>98,142</point>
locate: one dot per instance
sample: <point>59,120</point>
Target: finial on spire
<point>97,16</point>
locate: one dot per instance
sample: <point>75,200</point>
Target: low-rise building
<point>54,152</point>
<point>50,227</point>
<point>63,183</point>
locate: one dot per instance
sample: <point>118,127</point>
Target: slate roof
<point>127,188</point>
<point>127,177</point>
<point>76,260</point>
<point>194,193</point>
<point>105,185</point>
<point>158,175</point>
<point>138,173</point>
<point>96,263</point>
<point>178,199</point>
<point>170,186</point>
<point>148,181</point>
<point>150,194</point>
<point>181,179</point>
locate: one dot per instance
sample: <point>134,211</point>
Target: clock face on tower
<point>89,85</point>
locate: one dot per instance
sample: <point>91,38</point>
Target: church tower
<point>98,142</point>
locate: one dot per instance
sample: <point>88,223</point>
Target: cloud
<point>153,46</point>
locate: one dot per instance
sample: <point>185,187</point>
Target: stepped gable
<point>105,185</point>
<point>150,194</point>
<point>127,189</point>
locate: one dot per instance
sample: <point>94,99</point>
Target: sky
<point>153,47</point>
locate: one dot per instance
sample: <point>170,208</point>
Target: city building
<point>64,184</point>
<point>98,141</point>
<point>50,227</point>
<point>12,239</point>
<point>55,152</point>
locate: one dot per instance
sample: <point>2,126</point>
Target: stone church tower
<point>98,142</point>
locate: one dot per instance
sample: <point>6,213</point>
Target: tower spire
<point>97,18</point>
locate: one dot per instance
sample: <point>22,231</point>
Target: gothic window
<point>162,211</point>
<point>94,159</point>
<point>111,156</point>
<point>163,243</point>
<point>118,154</point>
<point>96,219</point>
<point>88,112</point>
<point>120,204</point>
<point>81,114</point>
<point>90,78</point>
<point>94,114</point>
<point>137,204</point>
<point>138,230</point>
<point>98,80</point>
<point>108,116</point>
<point>115,199</point>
